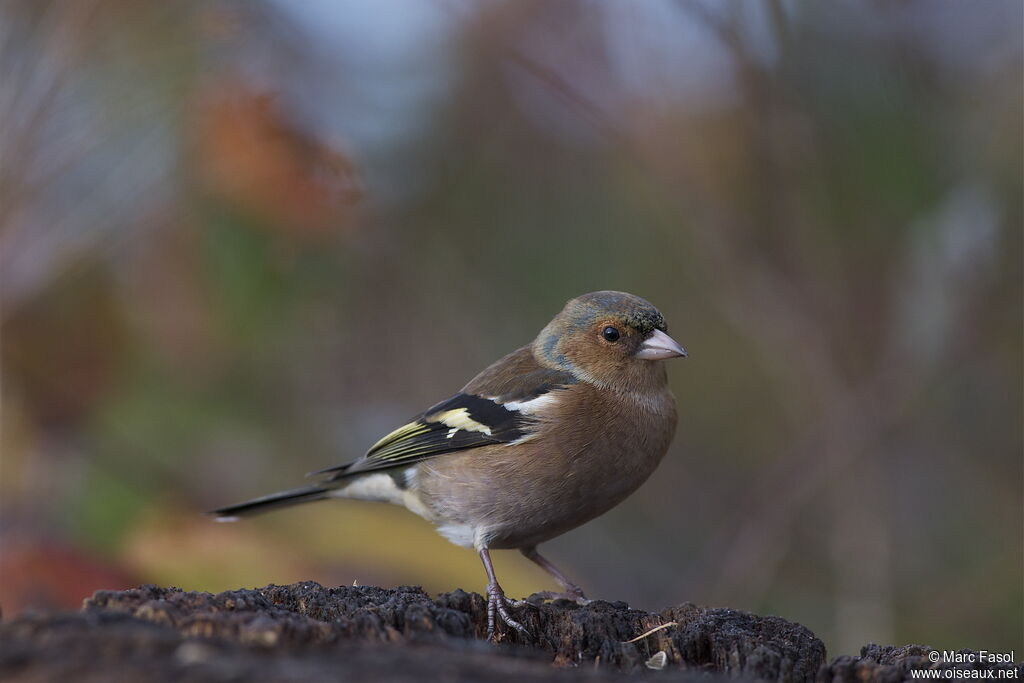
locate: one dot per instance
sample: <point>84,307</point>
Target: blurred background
<point>241,240</point>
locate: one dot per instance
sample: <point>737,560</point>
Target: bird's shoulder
<point>517,378</point>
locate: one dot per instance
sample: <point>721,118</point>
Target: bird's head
<point>607,338</point>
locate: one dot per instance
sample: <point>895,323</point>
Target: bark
<point>306,632</point>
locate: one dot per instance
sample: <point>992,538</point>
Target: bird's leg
<point>572,591</point>
<point>497,603</point>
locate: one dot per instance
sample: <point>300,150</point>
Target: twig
<point>653,630</point>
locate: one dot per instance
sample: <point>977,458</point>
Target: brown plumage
<point>542,441</point>
<point>590,450</point>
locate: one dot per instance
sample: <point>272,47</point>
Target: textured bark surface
<point>308,632</point>
<point>877,664</point>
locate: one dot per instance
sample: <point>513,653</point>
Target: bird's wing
<point>502,408</point>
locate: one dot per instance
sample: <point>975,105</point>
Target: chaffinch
<point>545,439</point>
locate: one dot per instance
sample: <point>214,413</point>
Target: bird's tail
<point>266,503</point>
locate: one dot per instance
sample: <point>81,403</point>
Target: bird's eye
<point>610,334</point>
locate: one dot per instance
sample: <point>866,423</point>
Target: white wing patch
<point>533,405</point>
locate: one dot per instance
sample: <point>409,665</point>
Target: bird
<point>543,440</point>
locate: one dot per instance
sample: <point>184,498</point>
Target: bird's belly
<point>500,499</point>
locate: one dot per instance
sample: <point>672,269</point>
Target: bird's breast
<point>584,459</point>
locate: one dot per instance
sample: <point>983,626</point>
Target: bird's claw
<point>498,606</point>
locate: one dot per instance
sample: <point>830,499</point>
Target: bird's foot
<point>576,596</point>
<point>498,606</point>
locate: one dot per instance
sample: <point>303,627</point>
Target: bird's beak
<point>660,346</point>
